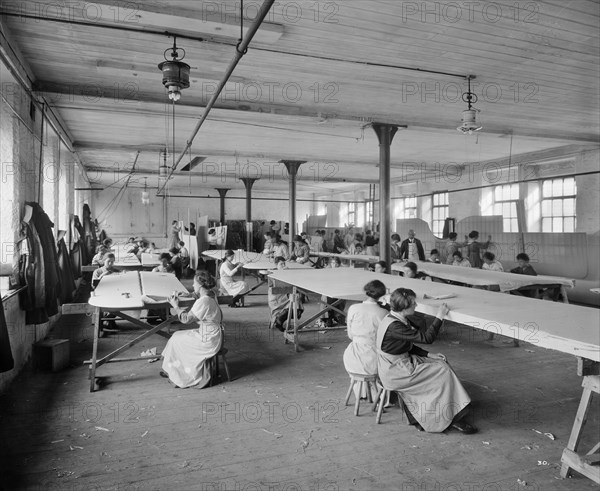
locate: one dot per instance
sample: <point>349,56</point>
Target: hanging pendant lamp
<point>469,116</point>
<point>176,74</point>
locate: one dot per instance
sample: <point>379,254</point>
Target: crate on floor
<point>51,354</point>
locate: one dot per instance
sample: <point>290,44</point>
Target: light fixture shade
<point>163,171</point>
<point>469,122</point>
<point>176,76</point>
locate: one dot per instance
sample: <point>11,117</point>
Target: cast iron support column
<point>249,182</point>
<point>292,167</point>
<point>222,193</point>
<point>385,133</point>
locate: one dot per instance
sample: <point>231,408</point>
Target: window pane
<point>557,207</point>
<point>546,225</point>
<point>546,208</point>
<point>557,224</point>
<point>498,193</point>
<point>514,223</point>
<point>569,207</point>
<point>557,187</point>
<point>569,186</point>
<point>547,189</point>
<point>506,224</point>
<point>514,191</point>
<point>506,210</point>
<point>569,224</point>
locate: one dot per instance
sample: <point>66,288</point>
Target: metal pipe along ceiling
<point>239,53</point>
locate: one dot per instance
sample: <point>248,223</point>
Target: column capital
<point>292,166</point>
<point>385,131</point>
<point>249,181</point>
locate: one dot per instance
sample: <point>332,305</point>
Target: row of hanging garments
<point>49,268</point>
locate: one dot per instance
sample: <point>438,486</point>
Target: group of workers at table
<point>176,260</point>
<point>383,328</point>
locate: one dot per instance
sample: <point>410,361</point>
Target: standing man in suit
<point>395,245</point>
<point>412,249</point>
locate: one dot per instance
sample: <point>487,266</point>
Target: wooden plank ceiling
<point>311,82</point>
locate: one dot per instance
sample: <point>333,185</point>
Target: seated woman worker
<point>435,399</point>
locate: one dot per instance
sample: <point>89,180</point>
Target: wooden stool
<point>356,378</point>
<point>214,366</point>
<point>383,396</point>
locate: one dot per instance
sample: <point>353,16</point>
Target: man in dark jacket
<point>411,248</point>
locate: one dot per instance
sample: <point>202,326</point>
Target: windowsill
<point>6,293</point>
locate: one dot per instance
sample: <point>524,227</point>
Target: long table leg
<point>92,369</point>
<point>291,335</point>
<point>95,362</point>
<point>563,292</point>
<point>570,458</point>
<point>294,312</point>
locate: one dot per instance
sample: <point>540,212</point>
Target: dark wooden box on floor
<point>51,354</point>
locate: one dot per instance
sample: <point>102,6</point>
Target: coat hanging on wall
<point>65,268</point>
<point>89,232</point>
<point>85,259</point>
<point>40,272</point>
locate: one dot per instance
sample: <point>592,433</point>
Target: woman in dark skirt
<point>434,397</point>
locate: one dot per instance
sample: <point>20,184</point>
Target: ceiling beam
<point>96,97</point>
<point>94,173</point>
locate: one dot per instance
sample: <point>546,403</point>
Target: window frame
<point>404,211</point>
<point>554,218</point>
<point>351,214</point>
<point>445,206</point>
<point>511,202</point>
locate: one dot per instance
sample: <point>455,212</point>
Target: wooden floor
<point>281,423</point>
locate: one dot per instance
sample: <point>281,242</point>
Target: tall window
<point>351,218</point>
<point>558,205</point>
<point>7,190</point>
<point>370,214</point>
<point>407,207</point>
<point>63,190</point>
<point>440,212</point>
<point>506,198</point>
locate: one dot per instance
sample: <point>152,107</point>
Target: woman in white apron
<point>186,355</point>
<point>431,391</point>
<point>363,320</point>
<point>227,271</point>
